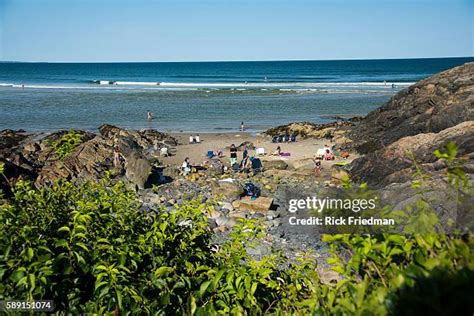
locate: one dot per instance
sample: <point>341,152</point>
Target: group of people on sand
<point>325,153</point>
<point>248,163</point>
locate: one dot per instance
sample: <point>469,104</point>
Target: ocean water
<point>201,96</point>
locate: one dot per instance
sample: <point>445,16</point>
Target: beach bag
<point>210,154</point>
<point>252,190</point>
<point>256,164</point>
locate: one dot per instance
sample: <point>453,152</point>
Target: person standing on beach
<point>242,128</point>
<point>233,155</point>
<point>149,116</point>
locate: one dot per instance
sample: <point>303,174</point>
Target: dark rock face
<point>429,106</point>
<point>145,138</point>
<point>88,161</point>
<point>10,139</point>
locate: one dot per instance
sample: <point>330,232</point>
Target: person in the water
<point>149,116</point>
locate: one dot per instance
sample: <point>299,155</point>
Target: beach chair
<point>275,139</point>
<point>280,138</point>
<point>293,138</point>
<point>287,138</point>
<point>260,151</point>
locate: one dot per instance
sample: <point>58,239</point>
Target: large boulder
<point>230,190</point>
<point>429,106</point>
<point>261,204</point>
<point>138,169</point>
<point>395,163</point>
<point>145,138</point>
<point>215,168</point>
<point>88,161</point>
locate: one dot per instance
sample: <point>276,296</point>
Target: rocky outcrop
<point>429,106</point>
<point>395,163</point>
<point>88,161</point>
<point>33,156</point>
<point>145,138</point>
<point>306,129</point>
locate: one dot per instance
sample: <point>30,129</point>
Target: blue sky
<point>193,30</point>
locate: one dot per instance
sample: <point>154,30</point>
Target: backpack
<point>252,190</point>
<point>256,164</point>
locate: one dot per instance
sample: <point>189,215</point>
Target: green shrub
<point>90,249</point>
<point>66,144</point>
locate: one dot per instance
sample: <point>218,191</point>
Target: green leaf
<point>203,287</point>
<point>64,229</point>
<point>30,253</point>
<point>162,271</point>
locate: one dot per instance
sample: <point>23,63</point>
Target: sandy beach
<point>300,151</point>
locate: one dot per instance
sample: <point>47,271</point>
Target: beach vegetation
<point>67,143</point>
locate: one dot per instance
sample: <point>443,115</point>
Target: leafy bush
<point>90,249</point>
<point>66,144</point>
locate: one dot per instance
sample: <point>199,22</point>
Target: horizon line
<point>231,60</point>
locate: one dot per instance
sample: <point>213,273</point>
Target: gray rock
<point>138,169</point>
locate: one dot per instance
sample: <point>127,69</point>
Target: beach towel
<point>285,154</point>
